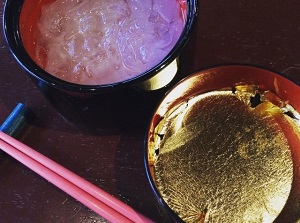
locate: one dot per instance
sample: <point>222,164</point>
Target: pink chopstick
<point>85,192</point>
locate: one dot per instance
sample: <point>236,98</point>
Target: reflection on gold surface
<point>223,157</point>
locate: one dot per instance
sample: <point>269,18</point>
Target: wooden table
<point>110,154</point>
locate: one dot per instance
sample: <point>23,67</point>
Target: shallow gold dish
<point>223,146</point>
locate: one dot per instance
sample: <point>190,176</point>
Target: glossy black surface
<point>110,154</point>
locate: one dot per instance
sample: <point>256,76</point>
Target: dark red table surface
<point>264,33</point>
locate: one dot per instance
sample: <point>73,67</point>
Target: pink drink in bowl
<point>93,43</point>
<point>102,42</point>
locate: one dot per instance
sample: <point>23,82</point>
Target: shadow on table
<point>103,113</point>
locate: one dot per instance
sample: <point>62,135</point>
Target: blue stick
<point>16,120</point>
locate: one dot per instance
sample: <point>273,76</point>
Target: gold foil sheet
<point>222,156</point>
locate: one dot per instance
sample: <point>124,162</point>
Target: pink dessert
<point>95,42</point>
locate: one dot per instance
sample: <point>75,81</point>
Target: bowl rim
<point>150,126</point>
<point>11,16</point>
